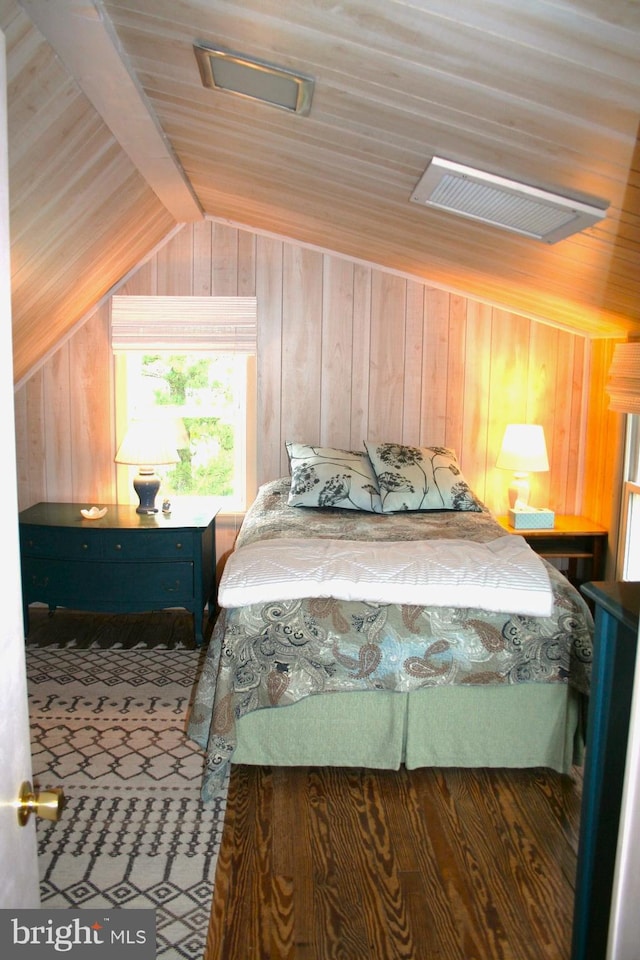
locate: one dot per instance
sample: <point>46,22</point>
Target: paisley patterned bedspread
<point>276,653</point>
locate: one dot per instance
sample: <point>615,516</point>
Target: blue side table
<point>125,562</point>
<point>617,606</point>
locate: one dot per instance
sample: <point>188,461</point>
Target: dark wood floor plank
<point>333,932</point>
<point>225,888</point>
<point>384,903</point>
<point>427,892</point>
<point>456,861</point>
<point>512,879</point>
<point>293,900</point>
<point>408,865</point>
<point>543,863</point>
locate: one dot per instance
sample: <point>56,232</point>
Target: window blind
<point>222,324</point>
<point>623,385</point>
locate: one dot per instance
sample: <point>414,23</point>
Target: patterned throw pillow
<point>325,477</point>
<point>420,478</point>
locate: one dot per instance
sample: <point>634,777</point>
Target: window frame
<point>630,500</point>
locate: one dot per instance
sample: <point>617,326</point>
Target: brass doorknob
<point>47,804</point>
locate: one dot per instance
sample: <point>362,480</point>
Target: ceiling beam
<point>83,37</point>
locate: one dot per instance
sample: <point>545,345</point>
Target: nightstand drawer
<point>74,583</point>
<point>162,583</point>
<point>146,544</point>
<point>59,543</point>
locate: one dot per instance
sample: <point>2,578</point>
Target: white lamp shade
<point>148,442</point>
<point>523,449</point>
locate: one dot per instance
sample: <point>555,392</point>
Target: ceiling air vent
<point>504,203</point>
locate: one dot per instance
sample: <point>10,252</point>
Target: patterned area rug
<point>108,726</point>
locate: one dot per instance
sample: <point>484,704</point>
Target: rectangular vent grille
<point>503,203</point>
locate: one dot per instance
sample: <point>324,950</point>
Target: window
<point>204,399</point>
<point>629,554</point>
<point>190,363</point>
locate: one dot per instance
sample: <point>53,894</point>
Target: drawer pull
<point>178,546</point>
<point>118,546</point>
<point>85,546</point>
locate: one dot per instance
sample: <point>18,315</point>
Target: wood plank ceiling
<point>546,92</point>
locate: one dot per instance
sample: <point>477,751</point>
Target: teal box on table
<point>530,518</point>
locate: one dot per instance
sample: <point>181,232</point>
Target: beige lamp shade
<point>147,443</point>
<point>523,449</point>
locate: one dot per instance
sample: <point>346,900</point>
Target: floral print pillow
<point>325,477</point>
<point>420,478</point>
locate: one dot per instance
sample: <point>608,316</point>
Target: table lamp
<point>147,443</point>
<point>523,451</point>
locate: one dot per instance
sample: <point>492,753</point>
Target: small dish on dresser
<point>93,513</point>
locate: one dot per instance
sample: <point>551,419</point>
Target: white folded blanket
<point>504,575</point>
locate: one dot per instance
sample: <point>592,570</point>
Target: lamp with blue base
<point>146,443</point>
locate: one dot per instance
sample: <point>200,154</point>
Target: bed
<point>311,662</point>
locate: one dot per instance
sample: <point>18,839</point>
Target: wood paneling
<point>269,294</point>
<point>603,448</point>
<point>301,344</point>
<point>386,358</point>
<point>477,396</point>
<point>548,95</point>
<point>345,353</point>
<point>81,215</point>
<point>92,391</point>
<point>337,350</point>
<point>361,356</point>
<point>60,452</point>
<point>437,380</point>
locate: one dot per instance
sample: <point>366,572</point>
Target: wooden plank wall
<point>346,352</point>
<point>75,196</point>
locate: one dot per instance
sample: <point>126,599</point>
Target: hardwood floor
<point>424,864</point>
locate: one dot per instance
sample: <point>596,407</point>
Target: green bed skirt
<point>528,725</point>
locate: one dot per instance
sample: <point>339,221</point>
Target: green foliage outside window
<point>197,387</point>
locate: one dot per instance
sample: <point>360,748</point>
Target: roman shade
<point>623,385</point>
<point>221,324</point>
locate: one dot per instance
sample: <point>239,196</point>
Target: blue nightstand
<point>125,562</point>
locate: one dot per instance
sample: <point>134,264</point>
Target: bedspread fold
<point>502,575</point>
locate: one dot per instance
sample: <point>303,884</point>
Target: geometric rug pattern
<point>108,726</point>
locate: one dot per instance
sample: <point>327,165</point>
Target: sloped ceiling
<point>114,140</point>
